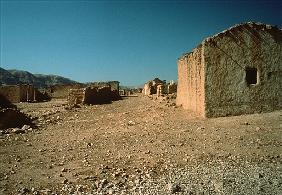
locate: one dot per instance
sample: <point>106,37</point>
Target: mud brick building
<point>238,71</point>
<point>18,93</point>
<point>114,86</point>
<point>62,91</point>
<point>90,95</point>
<point>150,87</point>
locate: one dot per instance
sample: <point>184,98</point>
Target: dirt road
<point>140,146</point>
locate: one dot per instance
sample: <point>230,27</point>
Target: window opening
<point>251,76</point>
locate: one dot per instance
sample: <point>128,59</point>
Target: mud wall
<point>18,93</point>
<point>62,91</point>
<point>76,96</point>
<point>172,88</point>
<point>231,89</point>
<point>190,88</point>
<point>114,87</point>
<point>11,93</point>
<point>102,95</point>
<point>90,95</point>
<point>27,93</point>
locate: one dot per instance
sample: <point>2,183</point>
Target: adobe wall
<point>18,93</point>
<point>228,55</point>
<point>171,88</point>
<point>27,93</point>
<point>150,88</point>
<point>113,84</point>
<point>11,93</point>
<point>90,95</point>
<point>114,87</point>
<point>190,88</point>
<point>76,96</point>
<point>62,91</point>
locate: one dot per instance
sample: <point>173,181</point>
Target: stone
<point>131,123</point>
<point>173,188</point>
<point>111,191</point>
<point>246,123</point>
<point>103,182</point>
<point>17,130</point>
<point>79,188</point>
<point>23,190</point>
<point>25,127</point>
<point>65,181</point>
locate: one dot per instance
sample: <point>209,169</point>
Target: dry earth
<point>140,146</point>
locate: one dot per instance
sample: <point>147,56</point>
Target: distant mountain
<point>7,78</point>
<point>12,77</point>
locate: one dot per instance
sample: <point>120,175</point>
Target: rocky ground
<point>140,146</point>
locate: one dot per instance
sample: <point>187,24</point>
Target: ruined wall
<point>190,88</point>
<point>101,95</point>
<point>147,88</point>
<point>160,90</point>
<point>150,87</point>
<point>172,88</point>
<point>27,93</point>
<point>228,58</point>
<point>114,87</point>
<point>18,93</point>
<point>11,93</point>
<point>76,96</point>
<point>62,91</point>
<point>90,95</point>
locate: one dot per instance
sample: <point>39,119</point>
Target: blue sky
<point>129,41</point>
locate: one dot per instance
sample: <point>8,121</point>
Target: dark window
<point>251,76</point>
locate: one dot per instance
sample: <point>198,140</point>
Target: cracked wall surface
<point>226,57</point>
<point>191,79</point>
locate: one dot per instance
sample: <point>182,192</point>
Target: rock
<point>103,182</point>
<point>23,190</point>
<point>90,178</point>
<point>147,152</point>
<point>17,130</point>
<point>25,127</point>
<point>64,170</point>
<point>65,181</point>
<point>111,191</point>
<point>173,188</point>
<point>36,193</point>
<point>79,188</point>
<point>131,123</point>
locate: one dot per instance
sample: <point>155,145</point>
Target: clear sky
<point>129,41</point>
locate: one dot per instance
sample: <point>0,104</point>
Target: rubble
<point>11,119</point>
<point>136,146</point>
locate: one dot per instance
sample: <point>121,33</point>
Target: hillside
<point>12,77</point>
<point>7,78</point>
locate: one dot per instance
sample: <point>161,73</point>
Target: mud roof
<point>248,25</point>
<point>273,30</point>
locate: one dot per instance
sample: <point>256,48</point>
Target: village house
<point>238,71</point>
<point>18,93</point>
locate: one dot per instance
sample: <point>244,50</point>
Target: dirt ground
<point>141,146</point>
